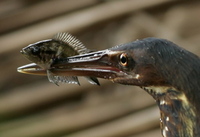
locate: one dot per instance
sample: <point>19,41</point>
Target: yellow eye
<point>123,59</point>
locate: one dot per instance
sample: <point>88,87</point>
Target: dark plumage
<point>163,64</point>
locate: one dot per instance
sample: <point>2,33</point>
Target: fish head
<point>42,52</point>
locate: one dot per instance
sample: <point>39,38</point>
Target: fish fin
<point>67,79</point>
<point>71,41</point>
<point>93,80</point>
<point>51,77</point>
<point>62,79</point>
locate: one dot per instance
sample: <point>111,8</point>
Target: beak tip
<point>19,70</point>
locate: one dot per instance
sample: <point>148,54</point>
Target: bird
<point>169,73</point>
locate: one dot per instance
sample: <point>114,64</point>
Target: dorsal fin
<point>71,41</point>
<point>77,46</point>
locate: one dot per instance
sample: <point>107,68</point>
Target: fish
<point>62,45</point>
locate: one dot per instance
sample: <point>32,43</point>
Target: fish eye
<point>123,59</point>
<point>35,50</point>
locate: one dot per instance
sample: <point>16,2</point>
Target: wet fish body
<point>45,52</point>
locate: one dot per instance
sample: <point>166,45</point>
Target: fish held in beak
<point>43,54</point>
<point>106,64</point>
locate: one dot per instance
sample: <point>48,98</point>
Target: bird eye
<point>123,59</point>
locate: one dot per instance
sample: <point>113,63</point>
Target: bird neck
<point>178,115</point>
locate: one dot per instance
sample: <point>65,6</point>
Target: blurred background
<point>31,106</point>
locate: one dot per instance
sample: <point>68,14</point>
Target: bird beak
<point>101,64</point>
<point>32,69</point>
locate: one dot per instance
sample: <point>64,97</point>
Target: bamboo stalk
<point>128,125</point>
<point>83,117</point>
<point>73,22</point>
<point>27,97</point>
<point>40,11</point>
<point>151,133</point>
<point>161,30</point>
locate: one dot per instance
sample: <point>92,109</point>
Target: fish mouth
<point>102,64</point>
<point>23,51</point>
